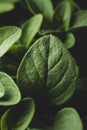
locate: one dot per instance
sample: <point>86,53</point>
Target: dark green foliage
<point>43,71</point>
<point>48,67</point>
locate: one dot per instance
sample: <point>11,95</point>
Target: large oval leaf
<point>48,66</point>
<point>5,7</point>
<point>41,6</point>
<point>18,117</point>
<point>67,119</point>
<point>8,36</point>
<point>9,92</point>
<point>30,29</point>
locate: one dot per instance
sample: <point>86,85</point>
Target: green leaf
<point>69,40</point>
<point>41,6</point>
<point>62,15</point>
<point>18,117</point>
<point>67,119</point>
<point>48,68</point>
<point>30,28</point>
<point>8,36</point>
<point>5,7</point>
<point>80,19</point>
<point>9,92</point>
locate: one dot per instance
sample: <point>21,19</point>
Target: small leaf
<point>18,117</point>
<point>9,92</point>
<point>62,15</point>
<point>48,69</point>
<point>67,119</point>
<point>69,40</point>
<point>41,6</point>
<point>8,36</point>
<point>5,7</point>
<point>30,29</point>
<point>80,19</point>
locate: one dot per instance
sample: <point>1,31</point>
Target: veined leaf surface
<point>8,36</point>
<point>9,92</point>
<point>48,68</point>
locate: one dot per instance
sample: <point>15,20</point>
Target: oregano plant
<point>43,70</point>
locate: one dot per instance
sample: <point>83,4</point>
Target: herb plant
<point>43,82</point>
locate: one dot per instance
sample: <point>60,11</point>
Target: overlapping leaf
<point>62,15</point>
<point>48,66</point>
<point>80,19</point>
<point>40,6</point>
<point>69,40</point>
<point>5,7</point>
<point>67,119</point>
<point>9,92</point>
<point>18,117</point>
<point>8,36</point>
<point>30,29</point>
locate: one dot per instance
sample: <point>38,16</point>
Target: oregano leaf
<point>19,116</point>
<point>8,36</point>
<point>67,119</point>
<point>48,68</point>
<point>5,7</point>
<point>40,6</point>
<point>69,40</point>
<point>79,20</point>
<point>9,92</point>
<point>30,28</point>
<point>62,15</point>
